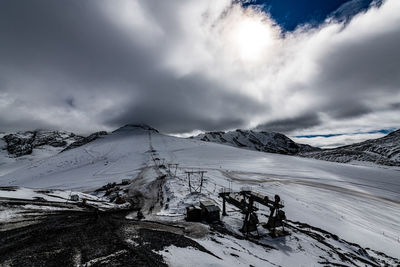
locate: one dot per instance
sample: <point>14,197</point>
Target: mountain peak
<point>262,141</point>
<point>135,127</point>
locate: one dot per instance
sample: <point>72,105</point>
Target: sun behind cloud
<point>251,35</point>
<point>252,38</point>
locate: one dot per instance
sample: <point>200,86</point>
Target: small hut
<point>193,213</point>
<point>209,211</point>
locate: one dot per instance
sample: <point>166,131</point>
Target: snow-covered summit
<point>135,128</point>
<point>260,141</point>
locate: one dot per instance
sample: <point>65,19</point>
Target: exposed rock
<point>23,143</point>
<point>19,144</point>
<point>19,149</point>
<point>84,140</point>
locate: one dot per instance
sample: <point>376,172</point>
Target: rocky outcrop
<point>85,140</point>
<point>18,146</point>
<point>23,143</point>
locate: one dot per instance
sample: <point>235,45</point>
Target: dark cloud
<point>364,65</point>
<point>72,50</point>
<point>71,102</point>
<point>395,106</point>
<point>17,123</point>
<point>359,72</point>
<point>349,109</point>
<point>83,66</point>
<point>291,124</point>
<point>187,104</point>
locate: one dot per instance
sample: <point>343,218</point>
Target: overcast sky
<point>197,65</point>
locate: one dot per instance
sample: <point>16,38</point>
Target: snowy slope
<point>21,148</point>
<point>23,143</point>
<point>260,141</point>
<point>359,204</point>
<point>384,151</point>
<point>109,159</point>
<point>364,201</point>
<point>381,151</point>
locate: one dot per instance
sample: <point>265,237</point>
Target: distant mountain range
<point>42,143</point>
<point>383,151</point>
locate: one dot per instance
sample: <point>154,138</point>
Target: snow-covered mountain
<point>20,148</point>
<point>384,151</point>
<point>338,214</point>
<point>261,141</point>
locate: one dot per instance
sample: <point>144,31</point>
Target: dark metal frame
<point>246,205</point>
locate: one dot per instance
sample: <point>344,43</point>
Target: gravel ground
<point>88,239</point>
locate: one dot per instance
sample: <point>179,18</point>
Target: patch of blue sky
<point>382,131</point>
<point>290,14</point>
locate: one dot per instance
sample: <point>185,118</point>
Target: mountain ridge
<point>22,143</point>
<point>270,142</point>
<point>383,151</point>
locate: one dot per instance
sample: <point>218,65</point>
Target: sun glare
<point>252,38</point>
